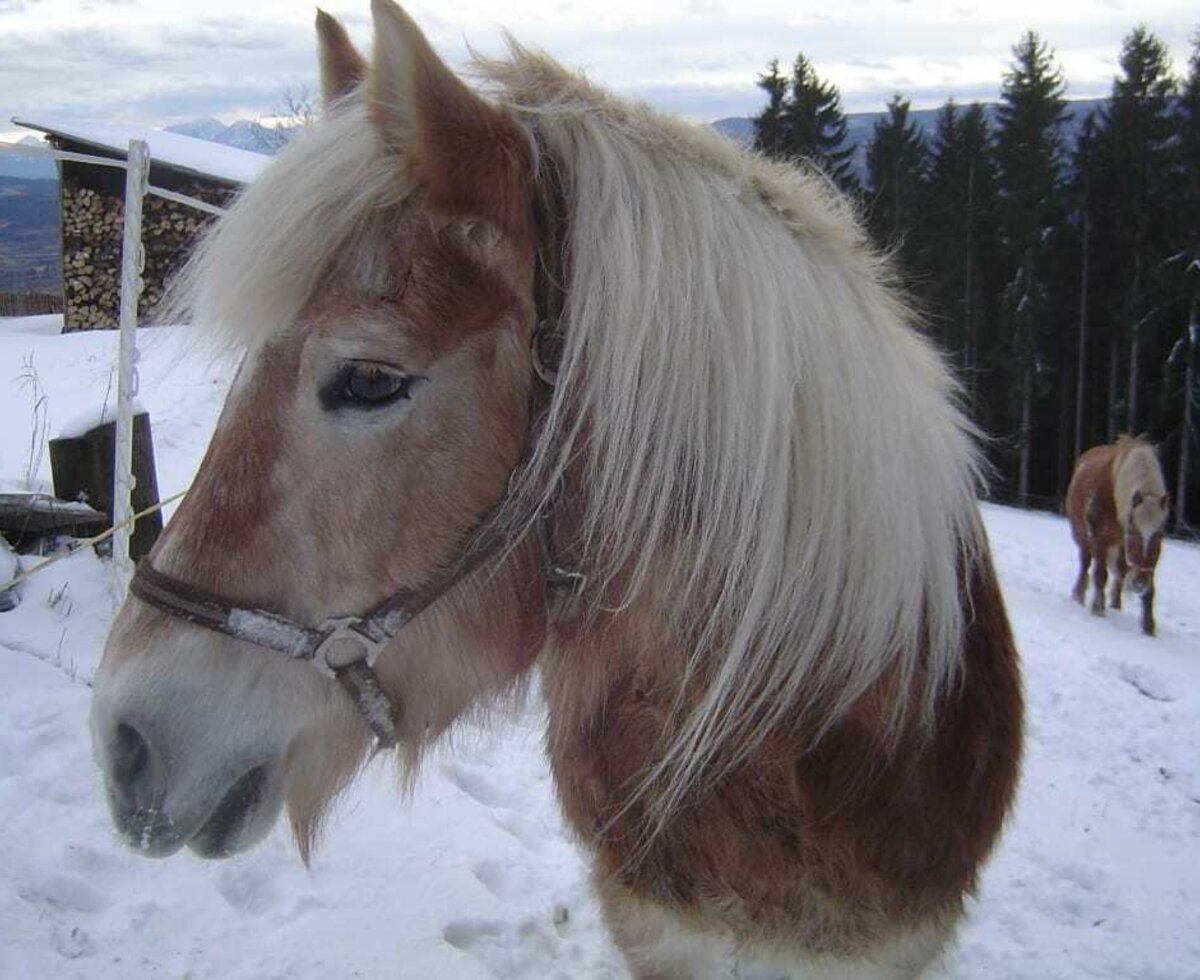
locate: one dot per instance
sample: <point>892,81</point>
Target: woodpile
<point>91,241</point>
<point>29,304</point>
<point>91,233</point>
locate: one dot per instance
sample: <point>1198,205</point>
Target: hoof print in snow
<point>1146,682</point>
<point>73,943</point>
<point>465,934</point>
<point>247,889</point>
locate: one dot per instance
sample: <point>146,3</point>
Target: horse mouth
<point>228,828</point>
<point>1137,584</point>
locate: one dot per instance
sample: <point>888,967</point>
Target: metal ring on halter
<point>547,350</point>
<point>346,643</point>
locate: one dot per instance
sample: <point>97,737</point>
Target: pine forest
<point>1058,267</point>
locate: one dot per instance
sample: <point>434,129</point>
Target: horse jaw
<point>187,762</point>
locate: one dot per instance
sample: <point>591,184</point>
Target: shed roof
<point>200,157</point>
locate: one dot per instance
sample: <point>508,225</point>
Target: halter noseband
<point>347,647</point>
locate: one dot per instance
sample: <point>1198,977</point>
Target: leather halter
<point>346,648</point>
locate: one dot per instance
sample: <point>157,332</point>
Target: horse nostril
<point>130,759</point>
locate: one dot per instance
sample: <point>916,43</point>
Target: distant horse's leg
<point>1148,610</point>
<point>654,943</point>
<point>1100,579</point>
<point>1085,559</point>
<point>1119,579</point>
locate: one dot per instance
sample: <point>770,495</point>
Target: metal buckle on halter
<point>345,644</point>
<point>565,586</point>
<point>566,582</point>
<point>348,655</point>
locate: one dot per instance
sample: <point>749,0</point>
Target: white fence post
<point>137,178</point>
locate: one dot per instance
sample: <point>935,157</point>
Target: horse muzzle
<point>1138,581</point>
<point>192,739</point>
<point>159,805</point>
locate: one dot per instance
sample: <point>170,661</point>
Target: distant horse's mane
<point>767,442</point>
<point>1135,467</point>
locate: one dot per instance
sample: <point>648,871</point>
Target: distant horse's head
<point>380,277</point>
<point>1143,536</point>
<point>1142,505</point>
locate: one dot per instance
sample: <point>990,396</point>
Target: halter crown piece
<point>347,647</point>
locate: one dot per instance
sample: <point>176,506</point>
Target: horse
<point>540,385</point>
<point>1117,506</point>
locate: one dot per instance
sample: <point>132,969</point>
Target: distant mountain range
<point>29,186</point>
<point>860,126</point>
<point>243,134</point>
<point>27,168</point>
<point>248,135</point>
<point>29,247</point>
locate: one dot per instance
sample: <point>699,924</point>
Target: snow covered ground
<point>476,877</point>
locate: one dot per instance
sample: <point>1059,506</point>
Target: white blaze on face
<point>1149,516</point>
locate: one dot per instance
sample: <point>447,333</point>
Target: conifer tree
<point>1137,146</point>
<point>1082,191</point>
<point>897,170</point>
<point>1188,126</point>
<point>807,124</point>
<point>769,125</point>
<point>1187,274</point>
<point>959,223</point>
<point>1029,152</point>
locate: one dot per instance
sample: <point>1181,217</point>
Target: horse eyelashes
<point>365,386</point>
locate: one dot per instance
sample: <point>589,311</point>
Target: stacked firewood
<point>91,235</point>
<point>91,238</point>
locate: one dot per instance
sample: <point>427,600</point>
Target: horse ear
<point>472,157</point>
<point>342,67</point>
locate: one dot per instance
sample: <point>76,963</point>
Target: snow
<point>1098,875</point>
<point>83,421</point>
<point>10,568</point>
<point>269,631</point>
<point>172,149</point>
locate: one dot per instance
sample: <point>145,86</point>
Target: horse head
<point>1143,536</point>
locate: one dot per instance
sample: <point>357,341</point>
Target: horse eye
<point>360,384</point>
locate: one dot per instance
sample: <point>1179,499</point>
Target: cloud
<point>157,63</point>
<point>226,34</point>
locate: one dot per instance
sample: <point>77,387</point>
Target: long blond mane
<point>765,437</point>
<point>1136,467</point>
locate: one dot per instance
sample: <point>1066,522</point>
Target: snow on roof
<point>198,156</point>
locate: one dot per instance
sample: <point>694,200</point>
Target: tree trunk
<point>1064,459</point>
<point>1113,355</point>
<point>1026,426</point>
<point>1134,346</point>
<point>1135,343</point>
<point>970,330</point>
<point>1185,428</point>
<point>1083,298</point>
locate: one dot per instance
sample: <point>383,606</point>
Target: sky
<point>157,63</point>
